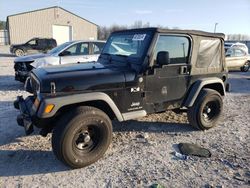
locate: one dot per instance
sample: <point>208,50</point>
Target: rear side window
<point>209,54</point>
<point>177,47</point>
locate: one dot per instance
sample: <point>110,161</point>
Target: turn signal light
<point>49,108</point>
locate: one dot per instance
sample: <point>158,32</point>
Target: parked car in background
<point>34,45</point>
<point>237,58</point>
<point>69,52</point>
<point>236,45</point>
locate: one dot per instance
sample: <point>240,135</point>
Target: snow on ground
<point>140,153</point>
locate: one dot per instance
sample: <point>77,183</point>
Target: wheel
<point>246,67</point>
<point>82,137</point>
<point>207,109</point>
<point>19,52</point>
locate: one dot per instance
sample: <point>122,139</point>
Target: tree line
<point>105,31</point>
<point>2,25</point>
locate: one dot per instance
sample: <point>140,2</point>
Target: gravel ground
<point>140,154</point>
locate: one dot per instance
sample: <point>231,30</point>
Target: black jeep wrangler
<point>139,72</point>
<point>34,45</point>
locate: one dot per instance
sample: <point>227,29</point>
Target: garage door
<point>62,33</point>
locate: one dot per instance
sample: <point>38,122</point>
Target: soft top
<point>179,31</point>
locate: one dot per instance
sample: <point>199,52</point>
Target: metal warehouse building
<point>52,22</point>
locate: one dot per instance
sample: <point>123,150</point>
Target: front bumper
<point>21,75</point>
<point>24,119</point>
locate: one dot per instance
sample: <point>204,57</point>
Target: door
<point>62,33</point>
<point>235,58</point>
<point>166,83</point>
<point>32,46</point>
<point>76,53</point>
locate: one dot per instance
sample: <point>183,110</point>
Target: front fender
<point>60,102</point>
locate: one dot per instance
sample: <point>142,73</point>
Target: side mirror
<point>65,53</point>
<point>163,58</point>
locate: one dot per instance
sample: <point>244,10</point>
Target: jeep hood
<point>83,77</point>
<point>29,58</point>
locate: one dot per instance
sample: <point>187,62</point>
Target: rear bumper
<point>24,119</point>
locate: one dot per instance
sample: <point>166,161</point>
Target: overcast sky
<point>232,16</point>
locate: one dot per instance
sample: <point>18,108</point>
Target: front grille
<point>34,84</point>
<point>23,66</point>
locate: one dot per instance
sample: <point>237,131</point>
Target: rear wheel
<point>19,52</point>
<point>207,109</point>
<point>245,67</point>
<point>82,137</point>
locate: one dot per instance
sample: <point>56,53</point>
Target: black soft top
<point>179,31</point>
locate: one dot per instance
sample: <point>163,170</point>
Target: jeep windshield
<point>129,46</point>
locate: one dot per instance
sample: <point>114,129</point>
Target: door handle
<point>184,70</point>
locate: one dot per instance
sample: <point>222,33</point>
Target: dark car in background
<point>34,45</point>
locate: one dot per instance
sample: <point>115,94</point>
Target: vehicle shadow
<point>29,162</point>
<point>239,84</point>
<point>6,55</point>
<point>152,127</point>
<point>8,83</point>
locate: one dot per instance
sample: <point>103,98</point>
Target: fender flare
<point>60,102</point>
<point>196,88</point>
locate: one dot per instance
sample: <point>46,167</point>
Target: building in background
<point>53,22</point>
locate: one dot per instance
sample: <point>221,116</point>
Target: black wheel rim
<point>19,53</point>
<point>246,67</point>
<point>86,139</point>
<point>211,111</point>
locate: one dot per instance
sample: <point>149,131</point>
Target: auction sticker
<point>139,37</point>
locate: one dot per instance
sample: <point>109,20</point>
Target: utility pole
<point>215,25</point>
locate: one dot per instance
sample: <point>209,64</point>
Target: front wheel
<point>82,137</point>
<point>19,52</point>
<point>207,109</point>
<point>245,67</point>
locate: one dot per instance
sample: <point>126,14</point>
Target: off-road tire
<point>206,110</point>
<point>70,133</point>
<point>245,67</point>
<point>19,52</point>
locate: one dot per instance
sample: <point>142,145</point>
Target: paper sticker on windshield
<point>139,37</point>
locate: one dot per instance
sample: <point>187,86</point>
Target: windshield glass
<point>59,48</point>
<point>128,44</point>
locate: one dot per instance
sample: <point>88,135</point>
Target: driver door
<point>77,53</point>
<point>32,46</point>
<point>168,83</point>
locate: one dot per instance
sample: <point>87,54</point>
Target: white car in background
<point>237,58</point>
<point>66,53</point>
<point>236,45</point>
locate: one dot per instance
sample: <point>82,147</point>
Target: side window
<point>230,53</point>
<point>73,50</point>
<point>97,47</point>
<point>84,49</point>
<point>33,42</point>
<point>176,46</point>
<point>42,43</point>
<point>209,53</point>
<point>239,53</point>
